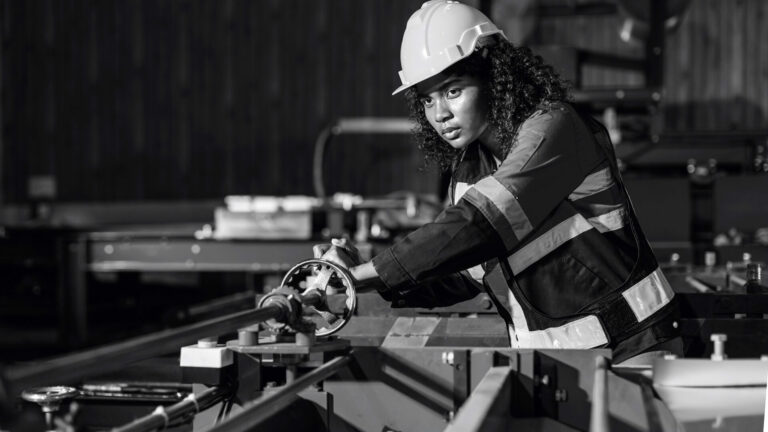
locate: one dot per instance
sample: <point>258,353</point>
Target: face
<point>456,107</point>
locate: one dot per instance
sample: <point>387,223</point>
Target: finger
<point>333,255</point>
<point>319,250</point>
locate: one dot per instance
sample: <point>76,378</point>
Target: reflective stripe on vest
<point>520,335</point>
<point>583,333</point>
<point>649,295</point>
<point>644,298</point>
<point>596,182</point>
<point>611,221</point>
<point>547,242</point>
<point>477,272</point>
<point>459,191</point>
<point>506,205</point>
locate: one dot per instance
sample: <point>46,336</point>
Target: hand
<point>339,251</point>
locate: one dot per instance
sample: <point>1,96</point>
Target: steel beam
<point>488,407</point>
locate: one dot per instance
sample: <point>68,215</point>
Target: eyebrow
<point>443,85</point>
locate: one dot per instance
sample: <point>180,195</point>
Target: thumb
<point>320,249</point>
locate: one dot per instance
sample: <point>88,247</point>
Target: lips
<point>451,132</point>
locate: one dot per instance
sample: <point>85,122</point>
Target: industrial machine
<point>306,359</point>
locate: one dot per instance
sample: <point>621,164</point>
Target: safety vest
<point>585,276</point>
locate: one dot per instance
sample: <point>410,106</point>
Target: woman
<point>539,220</point>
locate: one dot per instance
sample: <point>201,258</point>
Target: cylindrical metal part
<point>710,258</point>
<point>312,297</point>
<point>208,342</point>
<point>305,339</point>
<point>754,273</point>
<point>266,406</point>
<point>290,373</point>
<point>599,415</point>
<point>718,350</point>
<point>76,366</point>
<point>247,337</point>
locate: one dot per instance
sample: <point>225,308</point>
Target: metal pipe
<point>360,125</point>
<point>611,60</point>
<point>613,96</point>
<point>161,417</point>
<point>266,406</point>
<point>72,367</point>
<point>374,125</point>
<point>599,415</point>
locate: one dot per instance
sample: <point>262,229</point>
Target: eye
<point>453,92</point>
<point>427,101</point>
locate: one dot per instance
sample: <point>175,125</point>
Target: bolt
<point>710,258</point>
<point>207,342</point>
<point>719,340</point>
<point>561,395</point>
<point>543,380</point>
<point>448,358</point>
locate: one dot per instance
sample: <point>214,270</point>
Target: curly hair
<point>518,83</point>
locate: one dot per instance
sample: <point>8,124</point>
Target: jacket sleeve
<point>458,239</point>
<point>440,292</point>
<point>497,212</point>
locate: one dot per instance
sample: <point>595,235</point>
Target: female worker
<point>539,214</point>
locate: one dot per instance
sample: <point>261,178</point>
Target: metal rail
<point>162,417</point>
<point>266,406</point>
<point>70,368</point>
<point>488,407</point>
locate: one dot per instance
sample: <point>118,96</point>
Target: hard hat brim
<point>402,88</point>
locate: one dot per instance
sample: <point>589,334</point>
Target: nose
<point>442,111</point>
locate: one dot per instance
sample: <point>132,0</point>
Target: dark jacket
<point>550,229</point>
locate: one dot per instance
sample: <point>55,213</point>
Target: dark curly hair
<point>518,83</point>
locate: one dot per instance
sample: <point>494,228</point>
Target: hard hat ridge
<point>439,34</point>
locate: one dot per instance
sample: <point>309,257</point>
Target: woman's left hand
<point>339,251</point>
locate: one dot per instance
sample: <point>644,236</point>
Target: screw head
<point>718,337</point>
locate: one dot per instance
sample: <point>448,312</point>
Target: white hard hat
<point>439,34</point>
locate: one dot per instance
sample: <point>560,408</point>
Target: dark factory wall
<point>192,99</point>
<point>129,100</point>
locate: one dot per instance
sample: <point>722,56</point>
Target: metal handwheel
<point>49,399</point>
<point>326,292</point>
